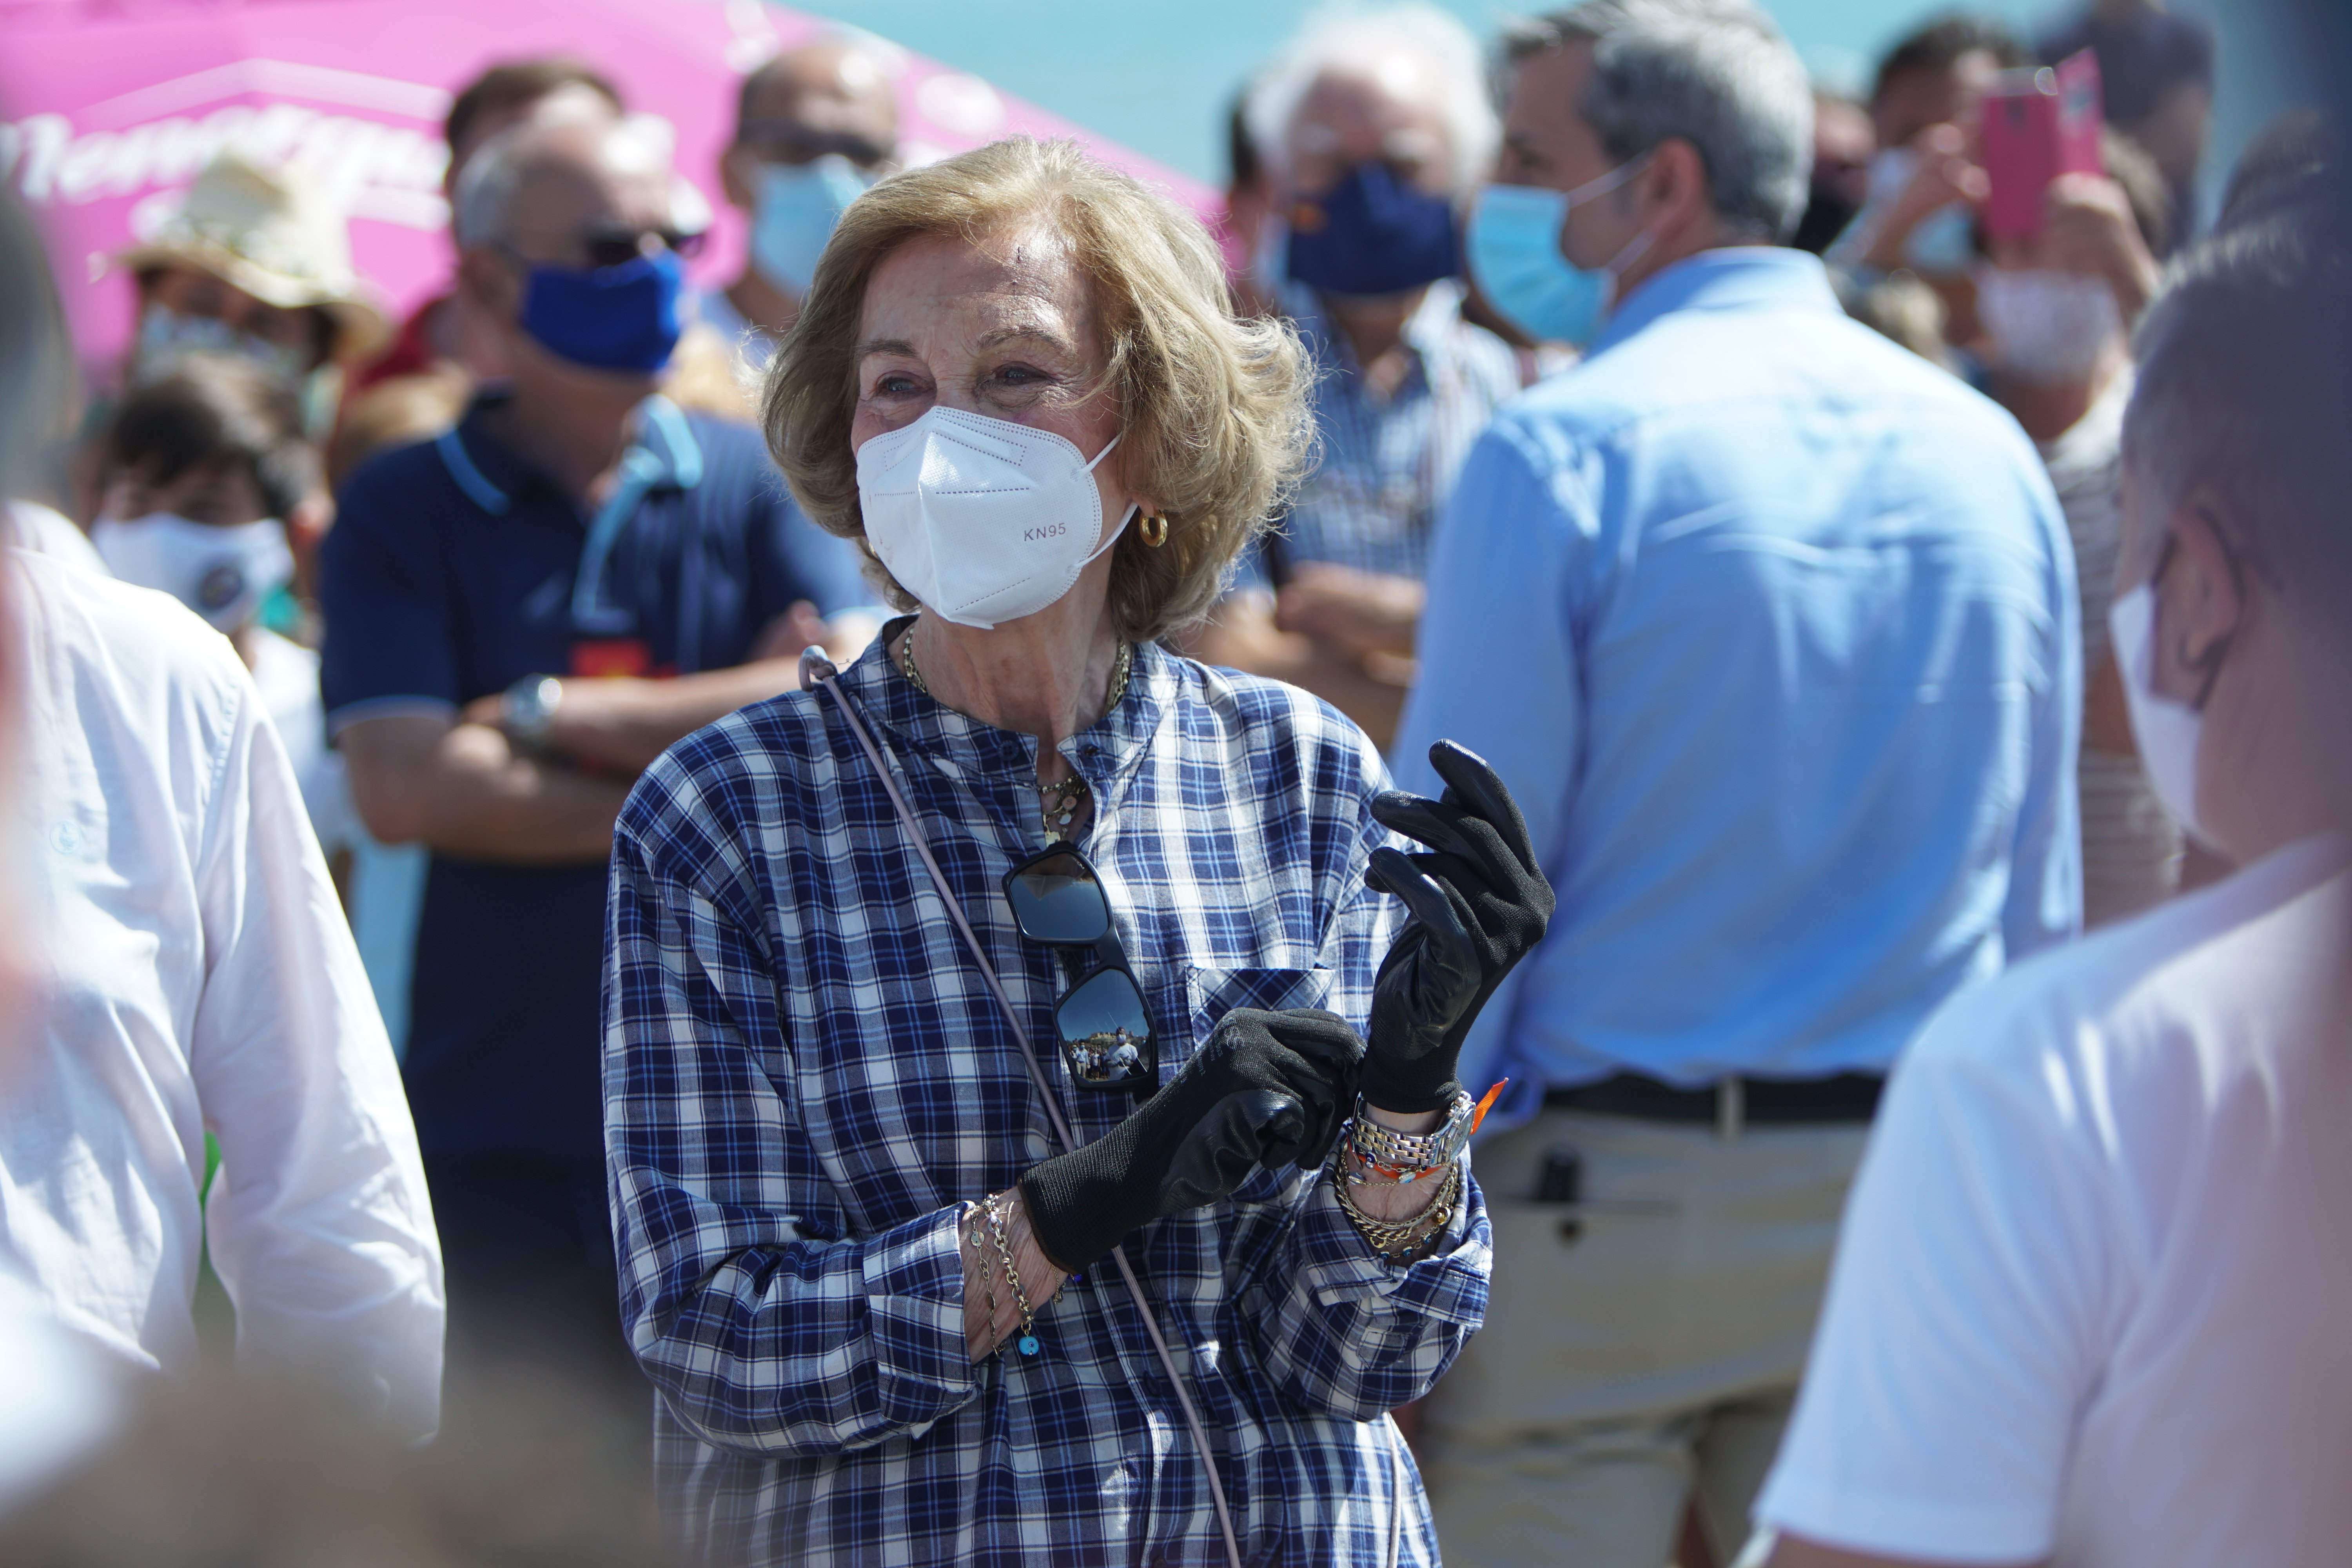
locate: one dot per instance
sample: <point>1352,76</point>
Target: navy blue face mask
<point>1373,234</point>
<point>622,317</point>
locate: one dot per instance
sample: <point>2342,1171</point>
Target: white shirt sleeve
<point>319,1221</point>
<point>1966,1310</point>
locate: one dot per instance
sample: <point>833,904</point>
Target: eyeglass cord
<point>818,670</point>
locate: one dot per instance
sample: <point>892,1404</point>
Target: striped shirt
<point>2131,848</point>
<point>1387,463</point>
<point>805,1078</point>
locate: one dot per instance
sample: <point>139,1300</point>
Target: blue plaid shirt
<point>806,1079</point>
<point>1385,464</point>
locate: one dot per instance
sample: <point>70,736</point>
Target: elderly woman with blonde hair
<point>870,1236</point>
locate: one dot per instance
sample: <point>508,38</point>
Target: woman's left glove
<point>1267,1089</point>
<point>1479,904</point>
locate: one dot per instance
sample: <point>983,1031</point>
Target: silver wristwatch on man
<point>527,710</point>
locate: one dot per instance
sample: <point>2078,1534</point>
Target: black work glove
<point>1479,904</point>
<point>1268,1089</point>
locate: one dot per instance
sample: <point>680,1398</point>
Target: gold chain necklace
<point>1058,804</point>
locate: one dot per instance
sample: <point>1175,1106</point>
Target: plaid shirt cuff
<point>914,1305</point>
<point>1449,1285</point>
<point>1354,1336</point>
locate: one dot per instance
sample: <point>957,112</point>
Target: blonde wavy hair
<point>1212,408</point>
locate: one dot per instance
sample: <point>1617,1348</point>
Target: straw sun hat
<point>272,233</point>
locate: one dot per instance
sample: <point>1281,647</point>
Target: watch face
<point>530,704</point>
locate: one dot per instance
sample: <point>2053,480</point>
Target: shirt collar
<point>492,476</point>
<point>1732,279</point>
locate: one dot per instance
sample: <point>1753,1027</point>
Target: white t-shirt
<point>2094,1297</point>
<point>46,532</point>
<point>199,978</point>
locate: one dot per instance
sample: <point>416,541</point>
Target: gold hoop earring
<point>1153,530</point>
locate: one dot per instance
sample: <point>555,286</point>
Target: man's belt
<point>1729,1104</point>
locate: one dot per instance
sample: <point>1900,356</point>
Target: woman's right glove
<point>1479,904</point>
<point>1267,1089</point>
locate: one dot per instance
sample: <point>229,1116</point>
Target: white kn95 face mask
<point>2168,734</point>
<point>981,519</point>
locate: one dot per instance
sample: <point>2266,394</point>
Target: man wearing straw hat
<point>255,262</point>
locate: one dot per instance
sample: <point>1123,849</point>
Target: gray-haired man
<point>1771,626</point>
<point>521,615</point>
<point>1374,128</point>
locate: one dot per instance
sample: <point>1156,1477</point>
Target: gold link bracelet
<point>1399,1242</point>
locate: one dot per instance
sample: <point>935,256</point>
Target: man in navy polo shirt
<point>521,616</point>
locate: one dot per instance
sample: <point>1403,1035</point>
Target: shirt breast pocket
<point>1211,993</point>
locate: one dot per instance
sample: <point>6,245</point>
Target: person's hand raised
<point>2088,227</point>
<point>1944,174</point>
<point>1479,904</point>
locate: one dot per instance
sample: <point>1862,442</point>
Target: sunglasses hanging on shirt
<point>1058,900</point>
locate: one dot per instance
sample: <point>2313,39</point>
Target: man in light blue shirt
<point>1770,628</point>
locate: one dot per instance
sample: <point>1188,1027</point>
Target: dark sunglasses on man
<point>618,247</point>
<point>1107,1043</point>
<point>788,142</point>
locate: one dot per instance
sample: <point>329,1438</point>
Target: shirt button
<point>1090,750</point>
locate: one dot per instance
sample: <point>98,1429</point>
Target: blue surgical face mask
<point>794,209</point>
<point>1373,234</point>
<point>623,319</point>
<point>1516,257</point>
<point>1944,244</point>
<point>1940,245</point>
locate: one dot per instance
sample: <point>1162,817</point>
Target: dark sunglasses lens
<point>613,248</point>
<point>1106,1033</point>
<point>784,142</point>
<point>1057,900</point>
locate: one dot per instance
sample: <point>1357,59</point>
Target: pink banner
<point>108,109</point>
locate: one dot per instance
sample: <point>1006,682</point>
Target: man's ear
<point>1672,188</point>
<point>2203,601</point>
<point>732,181</point>
<point>491,282</point>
